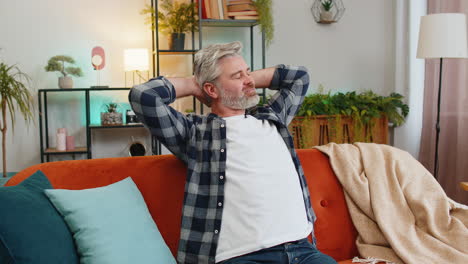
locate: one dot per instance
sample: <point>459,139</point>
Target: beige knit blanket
<point>399,210</point>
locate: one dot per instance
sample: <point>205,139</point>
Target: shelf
<point>116,126</point>
<point>80,150</point>
<point>82,89</point>
<point>88,93</point>
<point>228,23</point>
<point>177,52</point>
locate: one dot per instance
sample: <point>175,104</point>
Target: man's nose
<point>248,79</point>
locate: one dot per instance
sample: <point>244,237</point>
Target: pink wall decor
<point>98,58</point>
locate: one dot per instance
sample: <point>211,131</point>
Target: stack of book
<point>228,9</point>
<point>242,9</point>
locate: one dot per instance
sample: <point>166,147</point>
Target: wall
<point>355,54</point>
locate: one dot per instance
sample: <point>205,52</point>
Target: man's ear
<point>210,90</point>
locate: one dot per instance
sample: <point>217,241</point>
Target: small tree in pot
<point>175,19</point>
<point>14,95</point>
<point>57,63</point>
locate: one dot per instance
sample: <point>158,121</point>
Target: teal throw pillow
<point>31,230</point>
<point>111,224</point>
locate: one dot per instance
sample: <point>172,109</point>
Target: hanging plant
<point>265,19</point>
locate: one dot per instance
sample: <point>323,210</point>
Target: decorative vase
<point>65,82</point>
<point>111,118</point>
<point>176,41</point>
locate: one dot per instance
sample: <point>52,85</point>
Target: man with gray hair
<point>246,198</point>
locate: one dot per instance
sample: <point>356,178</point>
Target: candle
<point>70,142</point>
<point>61,142</point>
<point>62,130</point>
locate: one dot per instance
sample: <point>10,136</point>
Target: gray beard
<point>240,103</point>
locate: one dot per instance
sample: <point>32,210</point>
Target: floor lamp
<point>441,36</point>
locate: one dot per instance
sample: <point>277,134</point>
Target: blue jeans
<point>298,252</point>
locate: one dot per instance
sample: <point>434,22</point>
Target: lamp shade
<point>136,60</point>
<point>442,36</point>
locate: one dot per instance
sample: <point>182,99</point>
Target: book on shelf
<point>207,5</point>
<point>243,13</point>
<point>240,7</point>
<point>220,9</point>
<point>225,9</point>
<point>238,2</point>
<point>203,8</point>
<point>245,17</point>
<point>228,9</point>
<point>214,9</point>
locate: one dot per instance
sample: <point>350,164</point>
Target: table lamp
<point>136,61</point>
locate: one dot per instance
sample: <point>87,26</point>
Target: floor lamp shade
<point>442,36</point>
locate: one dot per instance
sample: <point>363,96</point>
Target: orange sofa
<point>161,182</point>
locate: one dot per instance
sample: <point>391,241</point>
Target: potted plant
<point>14,96</point>
<point>265,19</point>
<point>346,118</point>
<point>111,116</point>
<point>175,19</point>
<point>57,63</point>
<point>326,15</point>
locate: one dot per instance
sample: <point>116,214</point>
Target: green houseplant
<point>57,63</point>
<point>347,117</point>
<point>110,115</point>
<point>326,15</point>
<point>363,106</point>
<point>265,19</point>
<point>14,96</point>
<point>175,19</point>
<point>327,5</point>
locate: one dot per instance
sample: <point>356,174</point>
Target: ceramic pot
<point>326,16</point>
<point>176,41</point>
<point>65,82</point>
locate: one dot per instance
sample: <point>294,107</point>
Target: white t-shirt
<point>263,202</point>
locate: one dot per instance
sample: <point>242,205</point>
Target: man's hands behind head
<point>200,94</point>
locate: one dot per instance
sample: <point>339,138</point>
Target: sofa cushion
<point>111,224</point>
<point>31,230</point>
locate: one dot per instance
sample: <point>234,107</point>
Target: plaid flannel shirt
<point>200,142</point>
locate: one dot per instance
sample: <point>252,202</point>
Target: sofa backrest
<point>161,181</point>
